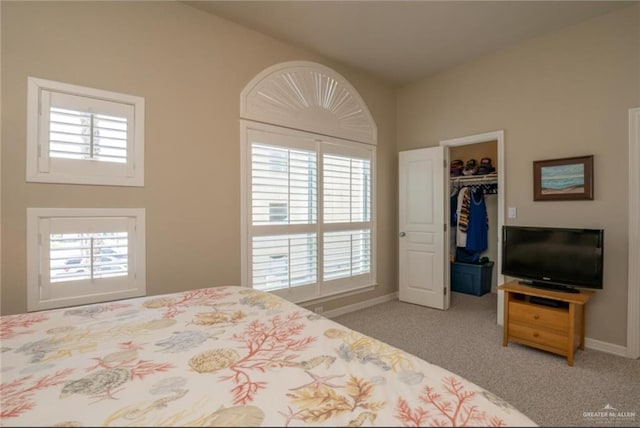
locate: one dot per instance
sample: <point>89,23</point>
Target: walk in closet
<point>473,219</point>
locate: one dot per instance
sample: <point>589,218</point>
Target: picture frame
<point>564,179</point>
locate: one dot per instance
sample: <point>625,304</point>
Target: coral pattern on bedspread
<point>222,356</point>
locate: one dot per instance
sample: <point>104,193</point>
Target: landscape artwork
<point>563,179</point>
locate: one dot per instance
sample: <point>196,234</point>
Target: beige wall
<point>564,94</point>
<point>190,67</point>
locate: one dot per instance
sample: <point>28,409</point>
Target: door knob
<point>402,234</point>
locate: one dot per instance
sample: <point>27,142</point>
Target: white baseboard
<point>360,305</point>
<point>610,348</point>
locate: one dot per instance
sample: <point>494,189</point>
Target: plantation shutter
<point>347,216</point>
<point>347,190</point>
<point>93,255</point>
<point>283,261</point>
<point>310,213</point>
<point>84,255</point>
<point>283,211</point>
<point>76,129</point>
<point>283,185</point>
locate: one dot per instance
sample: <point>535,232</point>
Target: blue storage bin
<point>471,278</point>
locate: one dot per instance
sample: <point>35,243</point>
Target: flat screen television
<point>562,259</point>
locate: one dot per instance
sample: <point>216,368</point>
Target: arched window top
<point>310,97</point>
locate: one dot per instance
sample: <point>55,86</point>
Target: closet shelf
<point>475,179</point>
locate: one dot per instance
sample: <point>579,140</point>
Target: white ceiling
<point>401,41</point>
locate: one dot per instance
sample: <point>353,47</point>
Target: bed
<point>222,356</point>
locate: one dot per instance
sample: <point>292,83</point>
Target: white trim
<point>360,305</point>
<point>1,160</point>
<point>310,97</point>
<point>500,168</point>
<point>245,203</point>
<point>340,295</point>
<point>610,348</point>
<point>633,297</point>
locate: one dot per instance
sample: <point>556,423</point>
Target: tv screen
<point>555,258</point>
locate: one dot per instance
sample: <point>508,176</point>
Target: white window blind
<point>284,261</point>
<point>84,255</point>
<point>347,253</point>
<point>84,135</point>
<point>285,178</point>
<point>346,189</point>
<point>347,225</point>
<point>80,135</point>
<point>287,215</point>
<point>87,256</point>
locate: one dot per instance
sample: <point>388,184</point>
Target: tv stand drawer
<point>544,338</point>
<point>539,316</point>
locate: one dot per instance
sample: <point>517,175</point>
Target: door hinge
<point>445,227</point>
<point>444,163</point>
<point>445,291</point>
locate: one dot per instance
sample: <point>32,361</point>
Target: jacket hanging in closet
<point>462,214</point>
<point>469,213</point>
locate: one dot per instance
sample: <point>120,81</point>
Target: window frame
<point>324,144</point>
<point>44,294</point>
<point>44,169</point>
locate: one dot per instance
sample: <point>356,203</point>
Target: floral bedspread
<point>222,356</point>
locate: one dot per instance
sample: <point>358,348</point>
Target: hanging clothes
<point>453,208</point>
<point>478,223</point>
<point>463,217</point>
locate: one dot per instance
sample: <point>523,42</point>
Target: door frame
<point>633,297</point>
<point>474,139</point>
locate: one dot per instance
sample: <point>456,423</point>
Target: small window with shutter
<point>83,135</point>
<point>84,255</point>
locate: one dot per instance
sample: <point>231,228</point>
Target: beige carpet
<point>467,340</point>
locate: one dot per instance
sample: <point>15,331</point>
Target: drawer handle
<point>535,334</point>
<point>536,317</point>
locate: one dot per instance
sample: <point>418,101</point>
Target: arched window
<point>308,183</point>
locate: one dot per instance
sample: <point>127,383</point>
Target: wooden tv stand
<point>555,329</point>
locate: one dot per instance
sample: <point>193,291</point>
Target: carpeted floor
<point>467,341</point>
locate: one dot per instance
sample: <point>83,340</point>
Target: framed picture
<point>563,179</point>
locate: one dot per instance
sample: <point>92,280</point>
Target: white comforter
<point>223,356</point>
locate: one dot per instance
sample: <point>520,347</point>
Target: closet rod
<point>475,179</point>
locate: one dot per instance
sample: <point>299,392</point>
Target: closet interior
<point>473,218</point>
